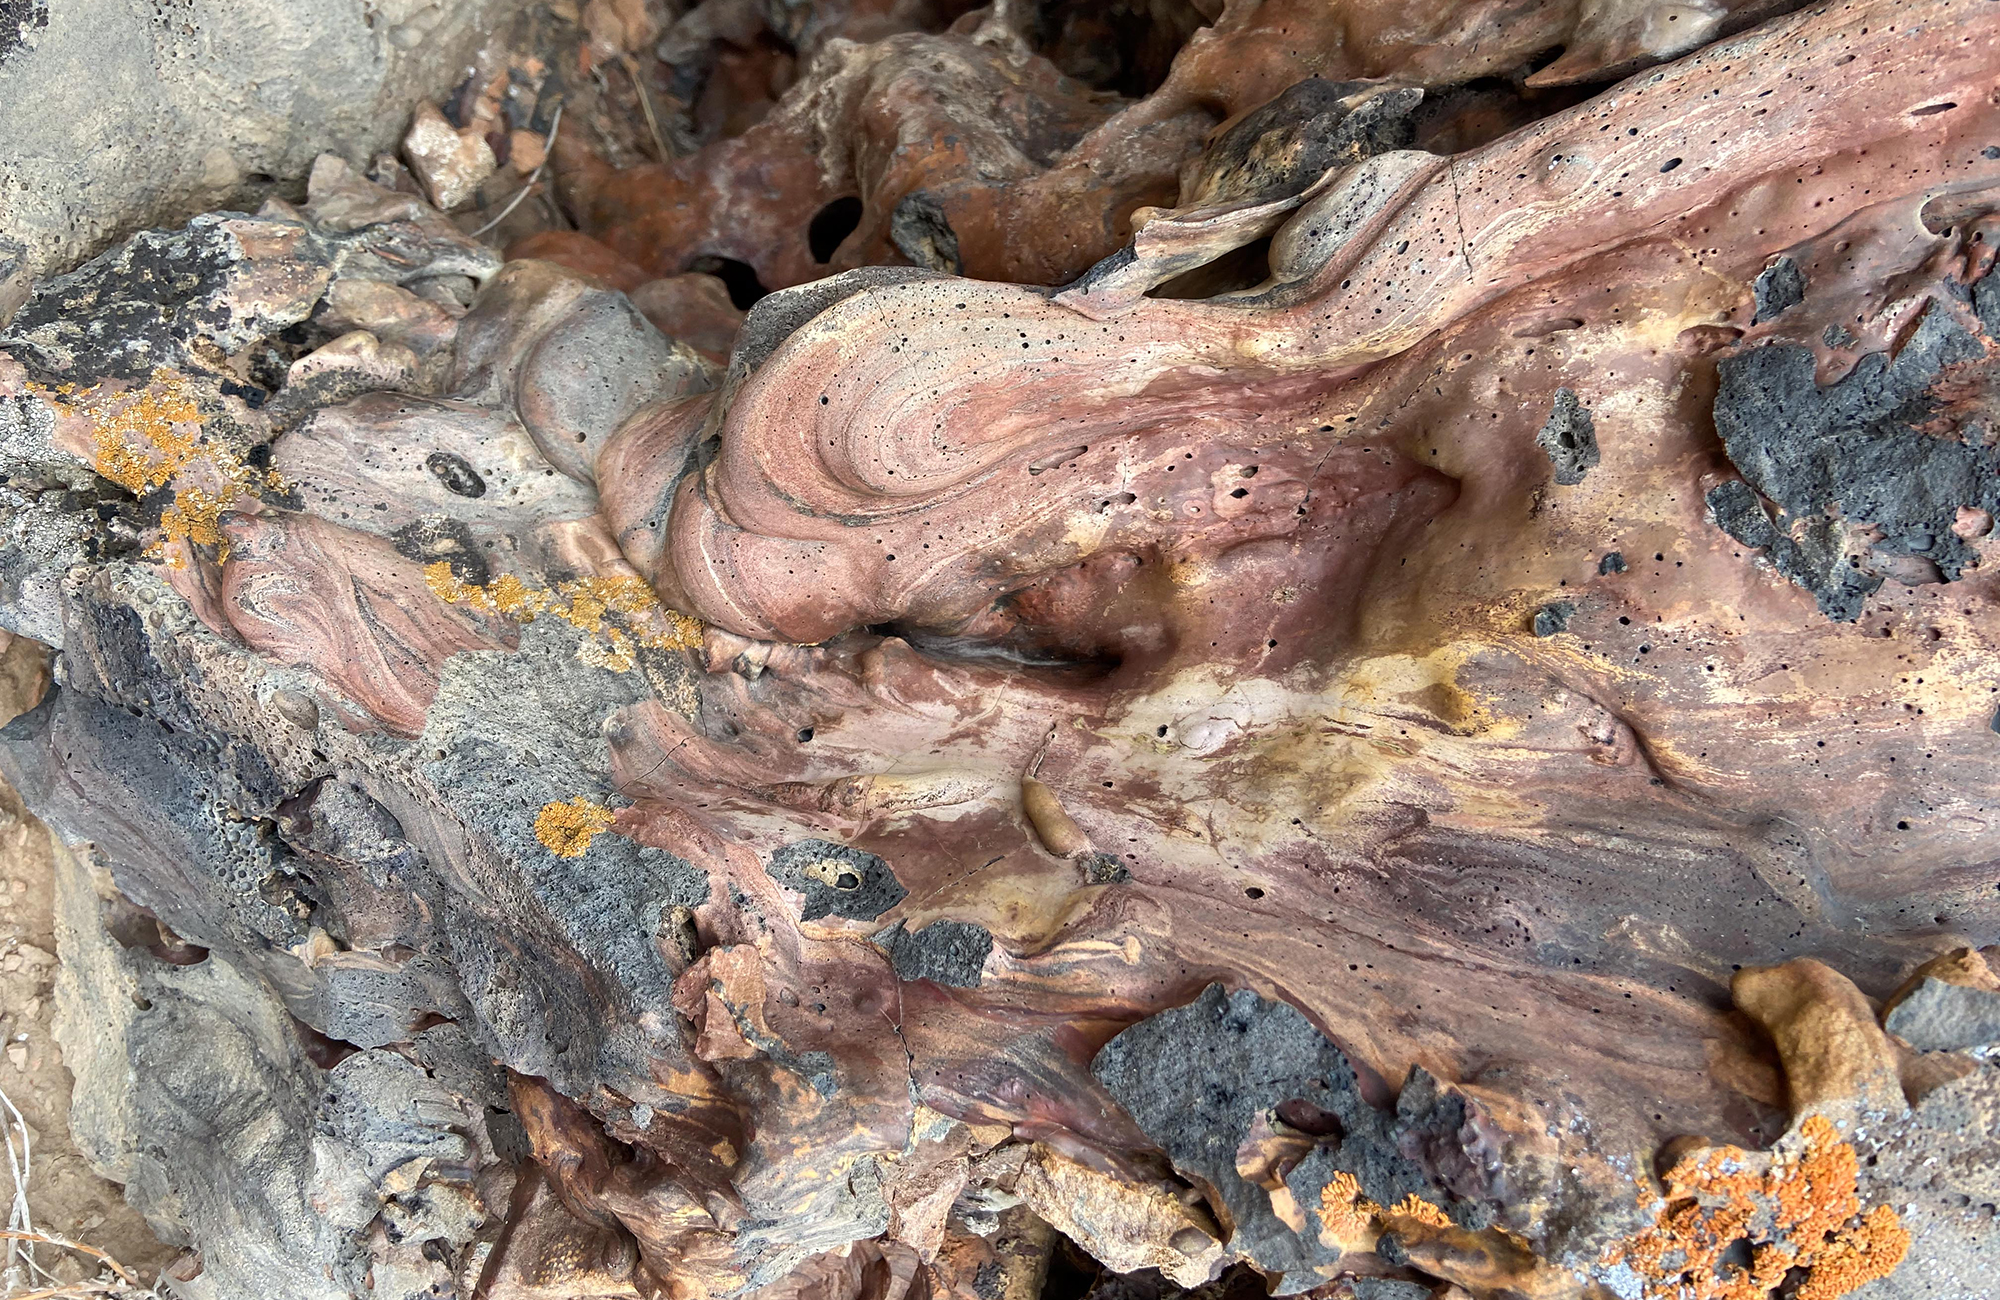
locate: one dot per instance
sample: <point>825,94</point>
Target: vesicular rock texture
<point>1354,659</point>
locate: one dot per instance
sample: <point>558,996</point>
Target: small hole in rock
<point>831,226</point>
<point>740,278</point>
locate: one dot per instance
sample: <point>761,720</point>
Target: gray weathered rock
<point>145,114</point>
<point>1942,1017</point>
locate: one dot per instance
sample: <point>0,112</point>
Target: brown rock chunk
<point>1949,1003</point>
<point>526,151</point>
<point>24,674</point>
<point>1835,1054</point>
<point>1958,966</point>
<point>694,309</point>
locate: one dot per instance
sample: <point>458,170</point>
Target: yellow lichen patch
<point>1800,1210</point>
<point>584,603</point>
<point>566,829</point>
<point>150,438</point>
<point>1416,1207</point>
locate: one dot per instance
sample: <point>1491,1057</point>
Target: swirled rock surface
<point>1334,653</point>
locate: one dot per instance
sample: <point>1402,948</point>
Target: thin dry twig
<point>20,1166</point>
<point>125,1276</point>
<point>555,125</point>
<point>646,107</point>
<point>122,1285</point>
<point>77,1291</point>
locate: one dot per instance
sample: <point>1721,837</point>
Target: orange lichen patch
<point>584,603</point>
<point>1868,1254</point>
<point>566,829</point>
<point>1416,1207</point>
<point>1346,1213</point>
<point>1798,1209</point>
<point>148,438</point>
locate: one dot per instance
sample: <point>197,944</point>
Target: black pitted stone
<point>952,953</point>
<point>1569,436</point>
<point>836,880</point>
<point>1554,617</point>
<point>1781,286</point>
<point>1853,453</point>
<point>921,231</point>
<point>1388,1288</point>
<point>455,474</point>
<point>1197,1078</point>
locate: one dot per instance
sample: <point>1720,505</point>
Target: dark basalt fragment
<point>1816,559</point>
<point>1286,145</point>
<point>17,19</point>
<point>952,953</point>
<point>457,476</point>
<point>1553,617</point>
<point>142,304</point>
<point>1883,448</point>
<point>1570,438</point>
<point>1104,869</point>
<point>836,880</point>
<point>1202,1079</point>
<point>1781,286</point>
<point>1613,562</point>
<point>921,231</point>
<point>1197,1077</point>
<point>428,541</point>
<point>1388,1288</point>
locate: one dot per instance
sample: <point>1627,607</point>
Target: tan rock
<point>526,150</point>
<point>1835,1054</point>
<point>450,163</point>
<point>24,674</point>
<point>1124,1224</point>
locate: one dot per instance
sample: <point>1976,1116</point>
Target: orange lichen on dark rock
<point>1351,1219</point>
<point>1347,1216</point>
<point>1417,1208</point>
<point>1796,1207</point>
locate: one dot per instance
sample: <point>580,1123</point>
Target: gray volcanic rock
<point>128,115</point>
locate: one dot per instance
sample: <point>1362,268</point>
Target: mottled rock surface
<point>1283,652</point>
